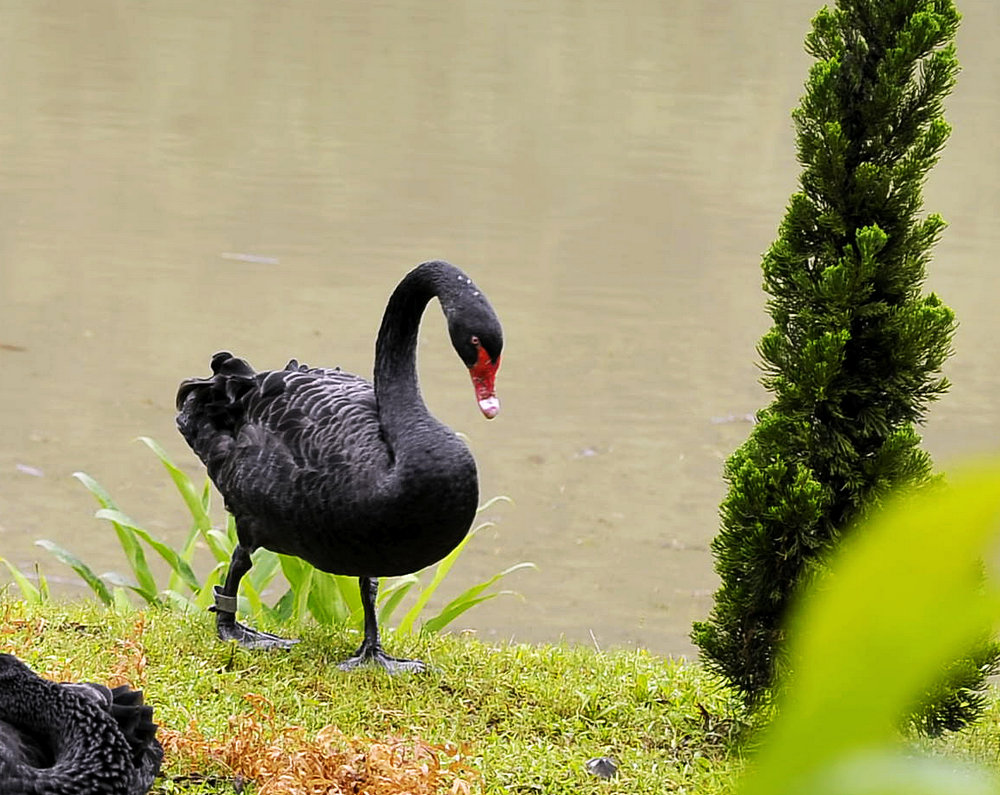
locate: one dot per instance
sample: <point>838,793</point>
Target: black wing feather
<point>73,739</point>
<point>276,443</point>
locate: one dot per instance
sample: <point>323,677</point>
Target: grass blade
<point>449,614</point>
<point>120,582</point>
<point>43,585</point>
<point>130,546</point>
<point>350,595</point>
<point>493,501</point>
<point>252,597</point>
<point>186,554</point>
<point>302,594</point>
<point>440,572</point>
<point>323,599</point>
<point>196,503</point>
<point>96,489</point>
<point>219,544</point>
<point>393,594</point>
<point>299,575</point>
<point>177,563</point>
<point>176,600</point>
<point>122,604</point>
<point>81,568</point>
<point>332,600</point>
<point>469,598</point>
<point>265,568</point>
<point>282,610</point>
<point>32,595</point>
<point>471,594</point>
<point>206,496</point>
<point>205,596</point>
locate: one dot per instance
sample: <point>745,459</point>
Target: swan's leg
<point>226,625</point>
<point>370,650</point>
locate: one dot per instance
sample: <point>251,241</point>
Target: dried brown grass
<point>291,761</point>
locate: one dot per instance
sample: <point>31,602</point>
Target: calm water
<point>182,177</point>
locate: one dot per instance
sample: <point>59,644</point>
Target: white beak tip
<point>490,406</point>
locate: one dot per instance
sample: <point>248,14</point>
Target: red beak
<point>484,373</point>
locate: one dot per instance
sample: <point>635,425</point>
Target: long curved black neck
<point>401,407</point>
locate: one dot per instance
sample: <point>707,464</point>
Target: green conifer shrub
<point>855,353</point>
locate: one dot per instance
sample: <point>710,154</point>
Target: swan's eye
<point>475,340</point>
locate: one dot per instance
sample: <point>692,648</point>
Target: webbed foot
<point>374,655</point>
<point>228,628</point>
<point>250,638</point>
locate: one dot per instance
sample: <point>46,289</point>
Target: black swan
<point>355,478</point>
<point>73,739</point>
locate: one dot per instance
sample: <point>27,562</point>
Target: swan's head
<point>478,339</point>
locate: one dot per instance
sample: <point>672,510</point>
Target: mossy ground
<point>507,718</point>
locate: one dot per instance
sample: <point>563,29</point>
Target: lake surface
<point>180,177</point>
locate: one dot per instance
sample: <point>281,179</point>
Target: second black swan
<point>355,477</point>
<point>73,739</point>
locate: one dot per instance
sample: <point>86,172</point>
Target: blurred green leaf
<point>904,597</point>
<point>895,773</point>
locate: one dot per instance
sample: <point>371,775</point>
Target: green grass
<point>868,642</point>
<point>528,716</point>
